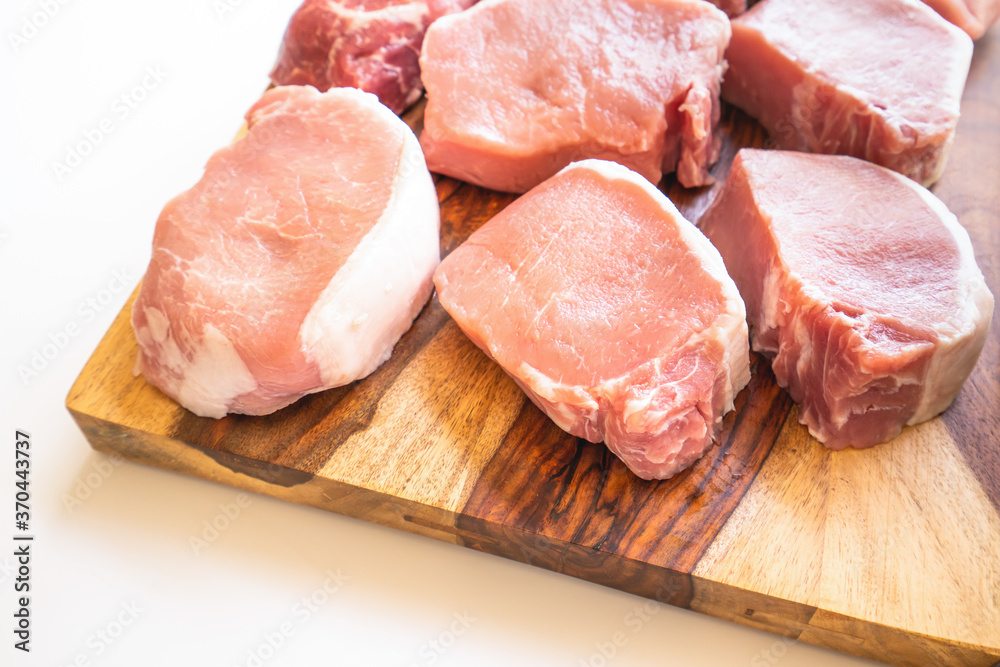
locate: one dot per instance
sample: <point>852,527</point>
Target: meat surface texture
<point>859,284</point>
<point>373,45</point>
<point>518,89</point>
<point>972,16</point>
<point>877,79</point>
<point>612,312</point>
<point>296,262</point>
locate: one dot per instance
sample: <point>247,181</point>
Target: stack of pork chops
<point>311,244</point>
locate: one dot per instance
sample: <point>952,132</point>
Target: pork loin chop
<point>612,312</point>
<point>373,45</point>
<point>518,89</point>
<point>877,79</point>
<point>296,262</point>
<point>859,284</point>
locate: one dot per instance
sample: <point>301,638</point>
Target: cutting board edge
<point>785,618</point>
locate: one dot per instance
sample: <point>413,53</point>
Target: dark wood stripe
<point>163,451</point>
<point>567,493</point>
<point>306,434</point>
<point>465,210</point>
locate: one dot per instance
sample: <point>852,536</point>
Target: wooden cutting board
<point>891,553</point>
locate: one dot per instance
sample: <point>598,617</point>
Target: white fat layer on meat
<point>467,14</point>
<point>206,382</point>
<point>372,300</point>
<point>214,376</point>
<point>962,337</point>
<point>573,408</point>
<point>158,324</point>
<point>159,331</point>
<point>413,13</point>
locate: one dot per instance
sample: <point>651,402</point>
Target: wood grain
<point>891,553</point>
<point>971,188</point>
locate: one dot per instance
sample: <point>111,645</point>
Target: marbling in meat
<point>972,16</point>
<point>518,89</point>
<point>859,284</point>
<point>877,79</point>
<point>612,312</point>
<point>373,45</point>
<point>296,262</point>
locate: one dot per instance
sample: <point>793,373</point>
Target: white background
<point>113,554</point>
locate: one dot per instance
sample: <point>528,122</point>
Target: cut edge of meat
<point>959,341</point>
<point>960,347</point>
<point>955,85</point>
<point>367,290</point>
<point>815,88</point>
<point>700,144</point>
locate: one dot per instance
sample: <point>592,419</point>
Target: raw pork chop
<point>611,311</point>
<point>972,16</point>
<point>878,79</point>
<point>859,283</point>
<point>518,89</point>
<point>296,262</point>
<point>373,45</point>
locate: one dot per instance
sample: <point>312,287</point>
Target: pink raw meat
<point>612,312</point>
<point>877,79</point>
<point>972,16</point>
<point>858,282</point>
<point>296,262</point>
<point>373,45</point>
<point>518,89</point>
